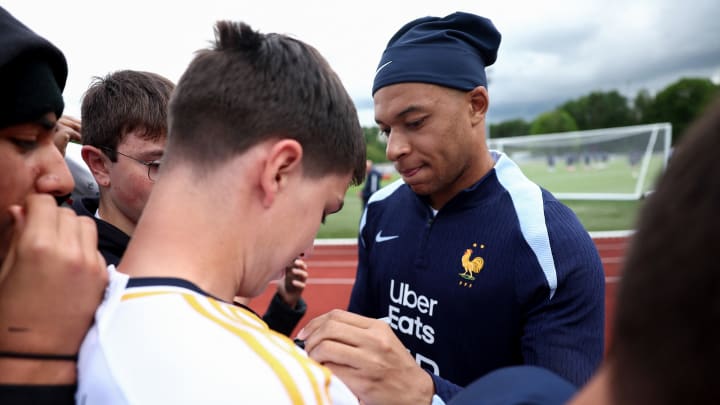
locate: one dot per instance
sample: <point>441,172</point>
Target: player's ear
<point>479,102</point>
<point>98,163</point>
<point>284,160</point>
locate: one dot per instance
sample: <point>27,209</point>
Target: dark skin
<point>47,252</point>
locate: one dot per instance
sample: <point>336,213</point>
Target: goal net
<point>600,164</point>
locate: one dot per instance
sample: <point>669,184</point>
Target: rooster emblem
<point>471,266</point>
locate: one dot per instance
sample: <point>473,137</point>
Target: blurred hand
<point>67,130</point>
<point>293,283</point>
<point>367,356</point>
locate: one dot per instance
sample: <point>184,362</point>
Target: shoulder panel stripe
<point>237,314</point>
<point>527,200</point>
<point>130,296</point>
<point>282,373</point>
<point>385,192</point>
<point>380,195</point>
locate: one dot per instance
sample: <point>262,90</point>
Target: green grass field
<point>614,176</point>
<point>344,224</point>
<point>596,215</point>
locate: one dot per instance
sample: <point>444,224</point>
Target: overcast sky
<point>551,51</point>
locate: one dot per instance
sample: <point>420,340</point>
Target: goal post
<point>620,163</point>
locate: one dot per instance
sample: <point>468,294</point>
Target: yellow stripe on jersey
<point>302,360</point>
<point>235,314</point>
<point>282,373</point>
<point>129,296</point>
<point>232,312</point>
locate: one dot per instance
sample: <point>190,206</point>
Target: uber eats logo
<point>404,297</point>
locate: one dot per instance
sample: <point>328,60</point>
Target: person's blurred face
<point>430,137</point>
<point>130,185</point>
<point>29,163</point>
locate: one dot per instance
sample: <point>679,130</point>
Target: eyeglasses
<point>153,166</point>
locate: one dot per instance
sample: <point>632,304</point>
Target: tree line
<point>679,104</point>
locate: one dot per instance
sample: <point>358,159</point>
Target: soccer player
<point>473,266</point>
<point>263,143</point>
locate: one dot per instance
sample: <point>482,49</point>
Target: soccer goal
<point>600,164</point>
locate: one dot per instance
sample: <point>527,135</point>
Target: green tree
<point>516,127</point>
<point>683,101</point>
<point>643,107</point>
<point>600,110</point>
<point>558,120</point>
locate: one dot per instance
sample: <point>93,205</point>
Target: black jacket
<point>112,242</point>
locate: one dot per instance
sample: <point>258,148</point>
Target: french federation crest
<point>471,266</point>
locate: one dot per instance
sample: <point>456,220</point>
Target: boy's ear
<point>284,161</point>
<point>98,164</point>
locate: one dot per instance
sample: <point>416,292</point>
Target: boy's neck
<point>109,213</point>
<point>187,238</point>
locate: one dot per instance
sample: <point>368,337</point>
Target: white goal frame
<point>589,137</point>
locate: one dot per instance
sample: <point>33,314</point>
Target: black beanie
<point>452,51</point>
<point>32,74</point>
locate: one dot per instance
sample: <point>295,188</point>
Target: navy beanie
<point>452,51</point>
<point>32,74</point>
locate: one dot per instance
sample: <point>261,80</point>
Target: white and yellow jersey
<point>164,341</point>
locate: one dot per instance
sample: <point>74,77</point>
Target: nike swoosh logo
<point>380,239</point>
<point>382,67</point>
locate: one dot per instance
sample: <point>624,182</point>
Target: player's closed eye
<point>416,123</point>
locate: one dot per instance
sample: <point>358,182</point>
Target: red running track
<point>332,274</point>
